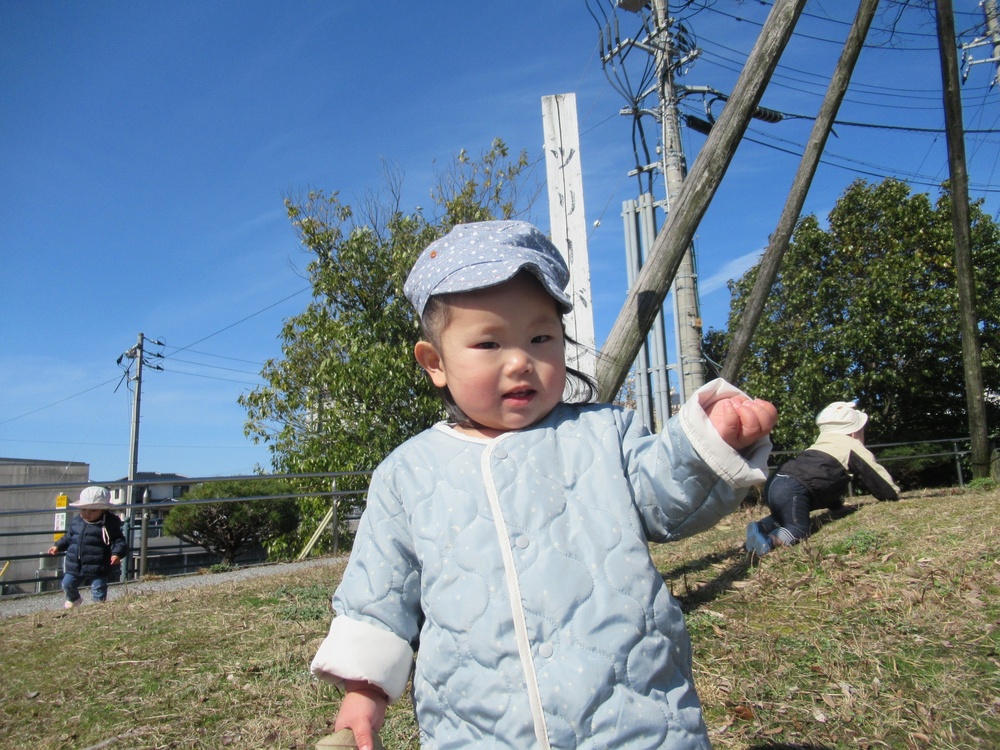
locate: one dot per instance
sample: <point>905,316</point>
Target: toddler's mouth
<point>520,395</point>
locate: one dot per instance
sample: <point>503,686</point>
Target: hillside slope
<point>880,631</point>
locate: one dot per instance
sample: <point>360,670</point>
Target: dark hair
<point>582,388</point>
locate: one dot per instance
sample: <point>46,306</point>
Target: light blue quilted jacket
<point>517,570</point>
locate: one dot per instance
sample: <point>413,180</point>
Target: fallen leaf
<point>743,712</point>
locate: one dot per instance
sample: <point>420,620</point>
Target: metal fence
<point>25,566</point>
<point>953,451</point>
<point>151,552</point>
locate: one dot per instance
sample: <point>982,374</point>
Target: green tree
<point>347,389</point>
<point>228,528</point>
<point>866,309</point>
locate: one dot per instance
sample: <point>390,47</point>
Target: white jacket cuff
<point>355,650</point>
<point>737,469</point>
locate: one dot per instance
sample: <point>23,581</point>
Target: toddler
<point>819,478</point>
<point>94,547</point>
<point>503,556</point>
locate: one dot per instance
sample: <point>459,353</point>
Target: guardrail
<point>150,550</point>
<point>955,455</point>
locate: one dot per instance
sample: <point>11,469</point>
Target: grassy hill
<point>881,631</point>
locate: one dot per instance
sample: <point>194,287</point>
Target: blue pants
<point>98,587</point>
<point>790,503</point>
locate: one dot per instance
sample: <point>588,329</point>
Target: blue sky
<point>146,149</point>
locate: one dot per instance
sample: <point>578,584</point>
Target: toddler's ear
<point>428,358</point>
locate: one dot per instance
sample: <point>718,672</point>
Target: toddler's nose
<point>519,361</point>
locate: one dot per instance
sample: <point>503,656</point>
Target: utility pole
<point>687,315</point>
<point>135,354</point>
<point>992,39</point>
<point>971,357</point>
<point>993,29</point>
<point>564,177</point>
<point>646,296</point>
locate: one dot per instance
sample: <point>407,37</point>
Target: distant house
<point>34,487</point>
<point>159,490</point>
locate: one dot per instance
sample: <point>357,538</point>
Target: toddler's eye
<point>541,339</point>
<point>486,345</point>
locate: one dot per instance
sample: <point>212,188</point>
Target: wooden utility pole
<point>778,244</point>
<point>968,317</point>
<point>646,296</point>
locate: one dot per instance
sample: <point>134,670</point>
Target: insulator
<point>767,115</point>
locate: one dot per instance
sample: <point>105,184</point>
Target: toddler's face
<point>502,355</point>
<point>90,514</point>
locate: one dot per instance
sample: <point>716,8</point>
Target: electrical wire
<point>243,320</point>
<point>60,401</point>
<point>127,380</point>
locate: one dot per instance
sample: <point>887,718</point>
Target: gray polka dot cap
<point>484,254</point>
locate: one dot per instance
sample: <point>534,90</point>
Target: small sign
<point>61,502</point>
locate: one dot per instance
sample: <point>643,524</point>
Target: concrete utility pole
<point>687,314</point>
<point>974,390</point>
<point>564,176</point>
<point>135,354</point>
<point>993,29</point>
<point>778,244</point>
<point>646,296</point>
<point>992,39</point>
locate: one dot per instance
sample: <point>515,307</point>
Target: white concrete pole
<point>564,175</point>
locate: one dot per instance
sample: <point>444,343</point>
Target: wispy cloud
<point>734,269</point>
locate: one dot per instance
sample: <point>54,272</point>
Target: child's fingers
<point>757,418</point>
<point>726,420</point>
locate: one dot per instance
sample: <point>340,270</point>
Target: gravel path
<point>26,604</point>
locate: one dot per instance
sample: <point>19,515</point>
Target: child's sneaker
<point>757,543</point>
<point>71,605</point>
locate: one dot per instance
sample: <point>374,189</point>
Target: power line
<point>212,377</point>
<point>213,367</point>
<point>60,401</point>
<point>188,347</point>
<point>220,356</point>
<point>243,320</point>
<point>863,168</point>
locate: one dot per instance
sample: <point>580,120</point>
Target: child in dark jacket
<point>819,477</point>
<point>94,547</point>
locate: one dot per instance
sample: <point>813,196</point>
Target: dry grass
<point>880,632</point>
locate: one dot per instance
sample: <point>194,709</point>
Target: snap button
<point>545,650</point>
<point>500,453</point>
<point>522,542</point>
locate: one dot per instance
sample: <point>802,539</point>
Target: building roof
<point>154,477</point>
